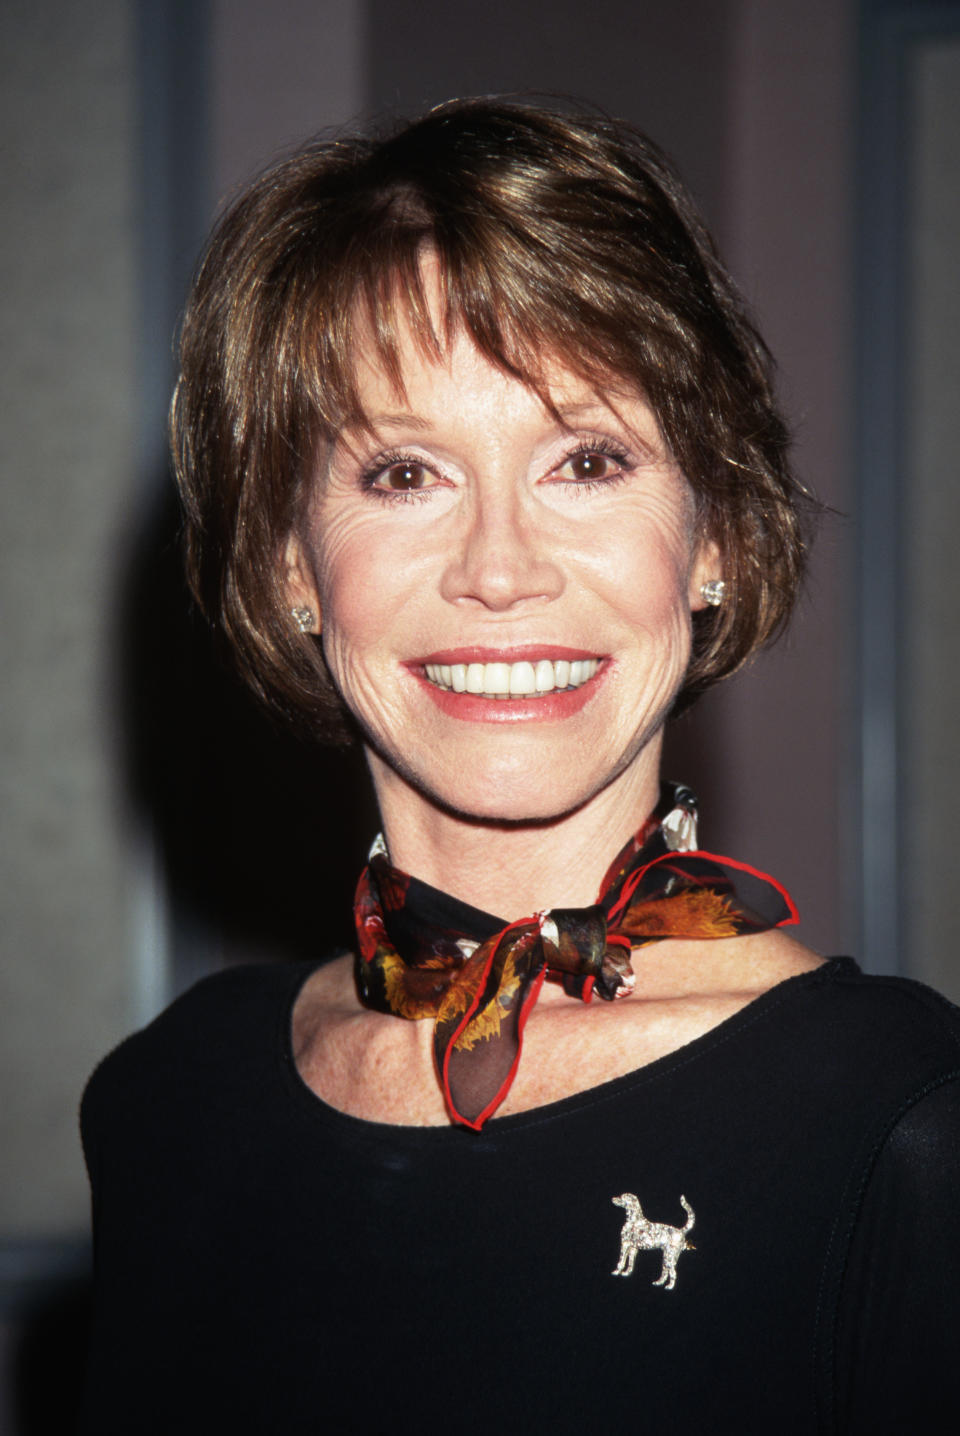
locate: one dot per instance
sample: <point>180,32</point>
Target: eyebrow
<point>574,411</point>
<point>401,420</point>
<point>397,421</point>
<point>569,415</point>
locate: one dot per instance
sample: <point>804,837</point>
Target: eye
<point>402,476</point>
<point>588,466</point>
<point>593,465</point>
<point>396,477</point>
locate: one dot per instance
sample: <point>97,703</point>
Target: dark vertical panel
<point>930,686</point>
<point>174,62</point>
<point>889,30</point>
<point>880,381</point>
<point>172,54</point>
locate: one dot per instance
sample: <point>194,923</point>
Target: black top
<point>268,1264</point>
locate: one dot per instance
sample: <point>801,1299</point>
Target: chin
<point>507,788</point>
<point>495,800</point>
<point>515,789</point>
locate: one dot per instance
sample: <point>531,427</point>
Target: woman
<point>481,464</point>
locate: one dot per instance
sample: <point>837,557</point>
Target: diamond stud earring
<point>713,592</point>
<point>304,618</point>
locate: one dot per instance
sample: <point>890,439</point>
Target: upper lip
<point>522,653</point>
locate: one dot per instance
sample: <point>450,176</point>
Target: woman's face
<point>476,545</point>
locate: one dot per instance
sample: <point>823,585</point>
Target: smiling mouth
<point>512,680</point>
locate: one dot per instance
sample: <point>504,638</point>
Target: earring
<point>304,618</point>
<point>713,592</point>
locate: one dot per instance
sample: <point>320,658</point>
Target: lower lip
<point>473,708</point>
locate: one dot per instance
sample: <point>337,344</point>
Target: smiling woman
<point>550,241</point>
<point>482,469</point>
<point>523,532</point>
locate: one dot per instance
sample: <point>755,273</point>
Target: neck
<point>513,869</point>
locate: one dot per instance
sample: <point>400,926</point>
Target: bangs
<point>392,297</point>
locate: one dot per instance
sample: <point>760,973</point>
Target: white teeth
<point>544,676</point>
<point>496,678</point>
<point>523,681</point>
<point>512,680</point>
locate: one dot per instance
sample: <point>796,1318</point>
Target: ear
<point>300,584</point>
<point>707,564</point>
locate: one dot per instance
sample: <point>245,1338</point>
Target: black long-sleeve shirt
<point>265,1263</point>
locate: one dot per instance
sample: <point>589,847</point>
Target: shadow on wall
<point>262,835</point>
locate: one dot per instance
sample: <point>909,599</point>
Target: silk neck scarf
<point>424,955</point>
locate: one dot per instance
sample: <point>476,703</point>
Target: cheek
<point>351,621</point>
<point>346,589</point>
<point>651,577</point>
<point>368,588</point>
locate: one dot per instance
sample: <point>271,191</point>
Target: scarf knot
<point>422,955</point>
<point>577,948</point>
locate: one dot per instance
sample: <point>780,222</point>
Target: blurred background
<point>154,825</point>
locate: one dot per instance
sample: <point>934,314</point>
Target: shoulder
<point>212,1012</point>
<point>210,1038</point>
<point>910,1035</point>
<point>922,1150</point>
<point>896,1016</point>
<point>866,1048</point>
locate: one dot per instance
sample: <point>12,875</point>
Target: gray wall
<point>76,913</point>
<point>68,451</point>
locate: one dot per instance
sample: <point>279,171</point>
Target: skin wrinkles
<point>499,551</point>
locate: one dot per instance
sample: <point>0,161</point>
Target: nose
<point>503,557</point>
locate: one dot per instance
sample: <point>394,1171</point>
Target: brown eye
<point>400,477</point>
<point>588,467</point>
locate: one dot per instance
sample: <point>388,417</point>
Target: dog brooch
<point>639,1235</point>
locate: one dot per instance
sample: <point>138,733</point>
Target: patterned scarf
<point>416,959</point>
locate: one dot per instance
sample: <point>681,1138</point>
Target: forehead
<point>425,372</point>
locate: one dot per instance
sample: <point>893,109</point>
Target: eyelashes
<point>594,462</point>
<point>586,473</point>
<point>410,471</point>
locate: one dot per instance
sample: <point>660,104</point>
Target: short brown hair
<point>557,234</point>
